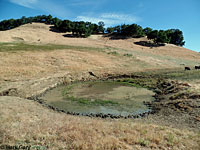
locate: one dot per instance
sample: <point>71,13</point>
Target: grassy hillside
<point>35,59</point>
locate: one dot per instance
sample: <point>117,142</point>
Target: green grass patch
<point>128,55</point>
<point>13,47</point>
<point>66,90</point>
<point>94,102</point>
<point>170,139</point>
<point>184,75</point>
<point>140,82</point>
<point>174,74</point>
<point>135,82</point>
<point>113,53</point>
<point>85,101</point>
<point>143,142</point>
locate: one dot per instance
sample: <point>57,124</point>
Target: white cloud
<point>120,17</point>
<point>25,3</point>
<point>110,19</point>
<point>48,6</point>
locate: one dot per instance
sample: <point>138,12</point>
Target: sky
<point>157,14</point>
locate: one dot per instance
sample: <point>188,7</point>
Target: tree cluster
<point>172,36</point>
<point>133,30</point>
<point>85,29</point>
<point>78,28</point>
<point>13,23</point>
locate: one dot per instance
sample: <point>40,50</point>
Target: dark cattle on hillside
<point>197,67</point>
<point>187,68</point>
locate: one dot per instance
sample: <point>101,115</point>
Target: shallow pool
<point>114,98</point>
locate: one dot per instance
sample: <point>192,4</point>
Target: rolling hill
<point>36,58</point>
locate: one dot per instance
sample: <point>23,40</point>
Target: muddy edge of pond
<point>167,96</point>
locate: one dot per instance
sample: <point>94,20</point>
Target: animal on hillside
<point>187,68</point>
<point>92,74</point>
<point>197,67</point>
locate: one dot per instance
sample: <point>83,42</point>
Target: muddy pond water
<point>114,98</point>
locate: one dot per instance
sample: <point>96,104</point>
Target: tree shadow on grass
<point>149,44</point>
<point>115,36</point>
<point>72,36</point>
<point>69,35</point>
<point>53,29</point>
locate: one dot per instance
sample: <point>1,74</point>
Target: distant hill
<point>140,48</point>
<point>85,29</point>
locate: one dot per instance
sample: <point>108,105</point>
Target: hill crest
<point>40,33</point>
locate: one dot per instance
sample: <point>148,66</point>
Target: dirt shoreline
<point>170,110</point>
<point>178,112</point>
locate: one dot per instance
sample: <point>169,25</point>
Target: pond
<point>106,97</point>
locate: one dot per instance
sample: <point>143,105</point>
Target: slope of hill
<point>35,59</point>
<point>39,33</point>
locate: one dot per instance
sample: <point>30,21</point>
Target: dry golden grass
<point>39,33</point>
<point>28,123</point>
<point>32,64</point>
<point>37,64</point>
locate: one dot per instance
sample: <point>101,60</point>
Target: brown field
<point>33,59</point>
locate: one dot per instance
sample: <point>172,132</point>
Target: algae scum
<point>113,98</point>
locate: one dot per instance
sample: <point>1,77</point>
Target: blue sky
<point>157,14</point>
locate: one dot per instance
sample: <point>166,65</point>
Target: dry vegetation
<point>28,68</point>
<point>28,123</point>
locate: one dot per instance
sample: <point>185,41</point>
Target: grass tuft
<point>143,142</point>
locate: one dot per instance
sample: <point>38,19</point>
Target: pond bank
<point>175,105</point>
<point>106,98</point>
